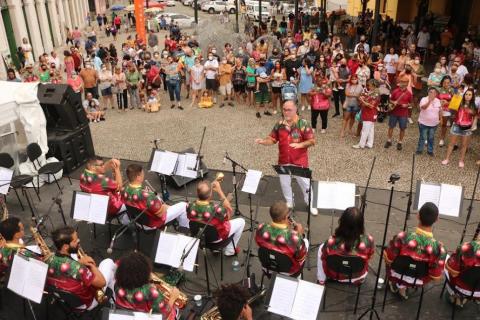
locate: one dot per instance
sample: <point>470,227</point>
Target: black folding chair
<point>471,278</point>
<point>66,302</point>
<point>212,241</point>
<point>141,224</point>
<point>406,266</point>
<point>18,181</point>
<point>345,266</point>
<point>34,152</point>
<point>275,262</point>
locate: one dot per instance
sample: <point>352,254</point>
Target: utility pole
<point>237,28</point>
<point>295,24</point>
<point>376,23</point>
<point>195,10</point>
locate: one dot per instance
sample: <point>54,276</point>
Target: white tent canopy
<point>18,101</point>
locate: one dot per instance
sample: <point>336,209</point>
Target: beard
<point>73,249</point>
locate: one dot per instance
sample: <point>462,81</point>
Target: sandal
<point>461,164</point>
<point>445,162</point>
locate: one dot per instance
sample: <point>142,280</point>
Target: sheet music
<point>307,301</point>
<point>146,316</point>
<point>283,296</point>
<point>164,162</point>
<point>186,165</point>
<point>172,246</point>
<point>184,243</point>
<point>81,210</point>
<point>157,159</point>
<point>450,200</point>
<point>325,194</point>
<point>5,179</point>
<point>429,193</point>
<point>166,243</point>
<point>27,278</point>
<point>18,272</point>
<point>252,179</point>
<point>344,195</point>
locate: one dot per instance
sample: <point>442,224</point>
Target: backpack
<point>289,92</point>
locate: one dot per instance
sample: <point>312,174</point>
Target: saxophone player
<point>82,278</point>
<point>135,291</point>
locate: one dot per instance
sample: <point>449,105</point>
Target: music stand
<point>89,207</point>
<point>448,198</point>
<point>119,314</point>
<point>171,249</point>
<point>250,186</point>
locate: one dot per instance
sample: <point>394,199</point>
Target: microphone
<point>40,221</point>
<point>225,158</point>
<point>110,248</point>
<point>156,140</point>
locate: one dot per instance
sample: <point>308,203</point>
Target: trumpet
<point>165,288</point>
<point>100,296</point>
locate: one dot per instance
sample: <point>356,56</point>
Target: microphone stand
<point>235,164</point>
<point>372,311</point>
<point>119,232</point>
<point>409,203</point>
<point>363,200</point>
<point>470,207</point>
<point>199,156</point>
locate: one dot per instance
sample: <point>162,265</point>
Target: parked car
<point>170,3</point>
<point>199,4</point>
<point>218,6</point>
<point>183,20</point>
<point>187,2</point>
<point>252,11</point>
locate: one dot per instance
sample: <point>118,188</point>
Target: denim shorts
<point>393,120</point>
<point>457,131</point>
<point>352,109</point>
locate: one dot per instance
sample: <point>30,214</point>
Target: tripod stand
<point>409,203</point>
<point>372,311</point>
<point>470,207</point>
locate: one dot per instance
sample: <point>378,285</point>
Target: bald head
<point>203,191</point>
<point>289,110</point>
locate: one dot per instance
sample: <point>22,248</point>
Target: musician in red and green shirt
<point>349,239</point>
<point>204,210</point>
<point>94,180</point>
<point>421,246</point>
<point>294,136</point>
<point>135,194</point>
<point>134,289</point>
<point>79,276</point>
<point>281,236</point>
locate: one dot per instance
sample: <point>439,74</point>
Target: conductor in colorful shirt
<point>281,236</point>
<point>135,291</point>
<point>294,136</point>
<point>421,246</point>
<point>137,195</point>
<point>349,239</point>
<point>80,277</point>
<point>94,180</point>
<point>204,210</point>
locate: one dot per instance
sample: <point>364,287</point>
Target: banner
<point>140,20</point>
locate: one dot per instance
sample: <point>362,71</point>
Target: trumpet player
<point>135,291</point>
<point>82,278</point>
<point>282,236</point>
<point>95,180</point>
<point>219,215</point>
<point>137,195</point>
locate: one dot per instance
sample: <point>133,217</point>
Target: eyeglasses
<point>288,110</point>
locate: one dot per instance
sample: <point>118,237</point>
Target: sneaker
<point>230,253</point>
<point>267,113</point>
<point>309,108</point>
<point>441,143</point>
<point>430,154</point>
<point>102,119</point>
<point>258,115</point>
<point>399,146</point>
<point>231,104</point>
<point>323,131</point>
<point>335,115</point>
<point>418,152</point>
<point>461,164</point>
<point>172,106</point>
<point>314,211</point>
<point>180,107</point>
<point>303,108</point>
<point>388,144</point>
<point>357,146</point>
<point>445,162</point>
<point>410,120</point>
<point>313,130</point>
<point>275,111</point>
<point>222,105</point>
<point>426,142</point>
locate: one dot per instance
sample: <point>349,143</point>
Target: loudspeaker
<point>73,148</point>
<point>62,107</point>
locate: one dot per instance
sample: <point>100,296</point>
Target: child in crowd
<point>206,100</point>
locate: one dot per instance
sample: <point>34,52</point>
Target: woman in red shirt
<point>320,103</point>
<point>369,101</point>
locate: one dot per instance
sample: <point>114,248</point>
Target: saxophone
<point>100,296</point>
<point>165,289</point>
<point>214,314</point>
<point>41,244</point>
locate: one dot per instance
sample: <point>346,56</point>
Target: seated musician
<point>137,195</point>
<point>465,257</point>
<point>280,235</point>
<point>232,302</point>
<point>135,291</point>
<point>220,215</point>
<point>349,239</point>
<point>94,180</point>
<point>421,246</point>
<point>81,278</point>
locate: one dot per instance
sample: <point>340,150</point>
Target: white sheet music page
<point>250,185</point>
<point>166,163</point>
<point>186,165</point>
<point>5,179</point>
<point>183,245</point>
<point>166,244</point>
<point>157,158</point>
<point>429,193</point>
<point>325,195</point>
<point>450,200</point>
<point>307,301</point>
<point>115,316</point>
<point>283,296</point>
<point>81,210</point>
<point>344,195</point>
<point>146,316</point>
<point>18,272</point>
<point>35,280</point>
<point>98,208</point>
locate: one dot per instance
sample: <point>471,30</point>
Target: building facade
<point>43,23</point>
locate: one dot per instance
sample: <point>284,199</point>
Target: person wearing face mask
<point>197,78</point>
<point>90,78</point>
<point>211,74</point>
<point>305,83</point>
<point>381,76</point>
<point>44,74</point>
<point>363,72</point>
<point>105,85</point>
<point>173,78</point>
<point>187,60</point>
<point>428,120</point>
<point>339,75</point>
<point>133,78</point>
<point>225,80</point>
<point>120,85</point>
<point>402,100</point>
<point>435,77</point>
<point>364,44</point>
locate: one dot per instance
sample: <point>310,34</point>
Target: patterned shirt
<point>144,299</point>
<point>363,248</point>
<point>71,276</point>
<point>143,199</point>
<point>465,257</point>
<point>100,184</point>
<point>6,256</point>
<point>284,134</point>
<point>281,238</point>
<point>202,211</point>
<point>421,246</point>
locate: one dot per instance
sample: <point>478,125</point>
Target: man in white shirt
<point>55,59</point>
<point>364,44</point>
<point>461,70</point>
<point>211,72</point>
<point>423,39</point>
<point>390,62</point>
